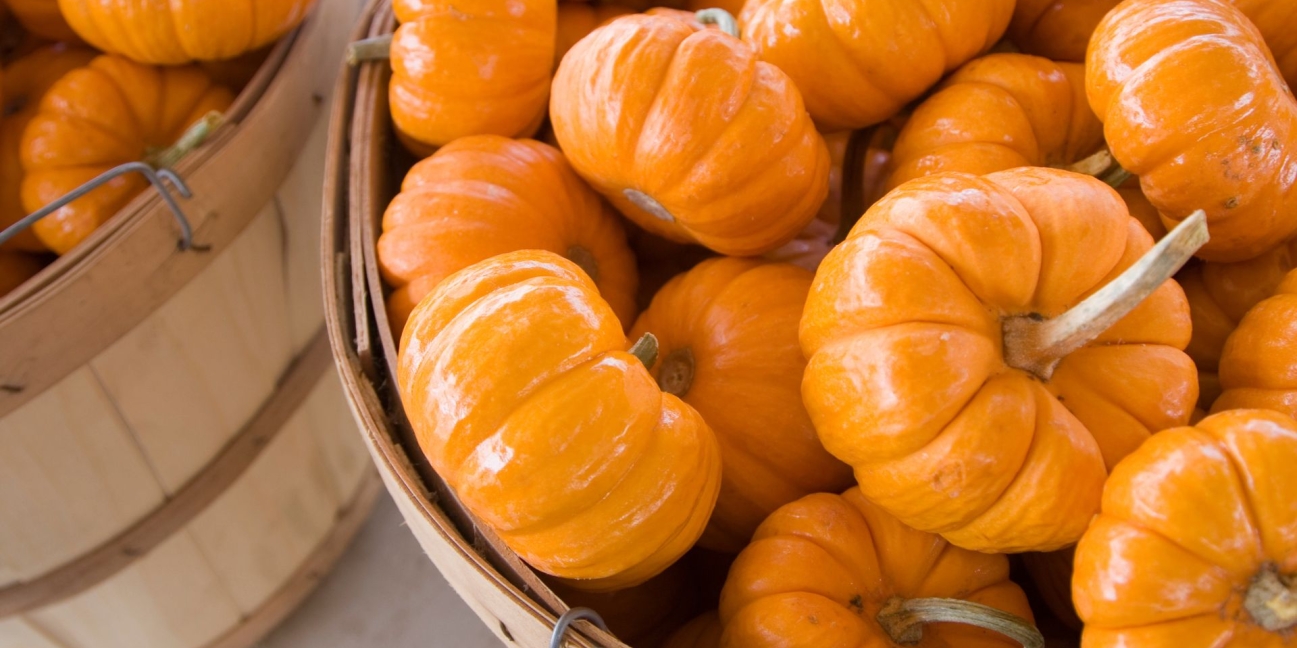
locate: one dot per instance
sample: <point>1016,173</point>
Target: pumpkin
<point>576,19</point>
<point>1275,20</point>
<point>42,17</point>
<point>858,63</point>
<point>674,123</point>
<point>1220,294</point>
<point>440,88</point>
<point>25,82</point>
<point>1057,29</point>
<point>1228,147</point>
<point>948,366</point>
<point>732,7</point>
<point>518,386</point>
<point>836,571</point>
<point>1197,541</point>
<point>485,195</point>
<point>180,31</point>
<point>15,268</point>
<point>727,346</point>
<point>704,631</point>
<point>109,112</point>
<point>1258,366</point>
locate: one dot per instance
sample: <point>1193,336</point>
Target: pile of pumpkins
<point>88,85</point>
<point>666,333</point>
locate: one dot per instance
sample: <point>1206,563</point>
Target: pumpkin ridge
<point>84,124</point>
<point>658,86</point>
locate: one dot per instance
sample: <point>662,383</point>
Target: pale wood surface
<point>298,201</point>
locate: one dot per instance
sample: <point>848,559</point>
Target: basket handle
<point>572,616</point>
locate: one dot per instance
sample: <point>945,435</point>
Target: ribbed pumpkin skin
<point>25,81</point>
<point>1276,19</point>
<point>998,112</point>
<point>703,631</point>
<point>15,268</point>
<point>882,54</point>
<point>485,195</point>
<point>180,31</point>
<point>1228,147</point>
<point>576,19</point>
<point>819,570</point>
<point>737,319</point>
<point>1258,367</point>
<point>655,106</point>
<point>1057,29</point>
<point>99,116</point>
<point>42,17</point>
<point>1188,521</point>
<point>515,377</point>
<point>907,380</point>
<point>440,88</point>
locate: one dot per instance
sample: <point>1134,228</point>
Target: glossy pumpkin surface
<point>727,335</point>
<point>1057,29</point>
<point>442,87</point>
<point>820,569</point>
<point>517,382</point>
<point>1192,521</point>
<point>1228,147</point>
<point>1258,366</point>
<point>180,31</point>
<point>485,195</point>
<point>882,54</point>
<point>907,379</point>
<point>674,124</point>
<point>25,81</point>
<point>576,19</point>
<point>1275,19</point>
<point>42,17</point>
<point>110,112</point>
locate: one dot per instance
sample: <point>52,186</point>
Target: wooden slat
<point>298,200</point>
<point>334,430</point>
<point>17,632</point>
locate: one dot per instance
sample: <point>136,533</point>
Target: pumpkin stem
<point>903,619</point>
<point>192,138</point>
<point>1095,165</point>
<point>1272,600</point>
<point>677,372</point>
<point>649,204</point>
<point>1035,344</point>
<point>584,259</point>
<point>646,349</point>
<point>371,49</point>
<point>1117,177</point>
<point>721,18</point>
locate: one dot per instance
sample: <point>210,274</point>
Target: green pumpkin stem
<point>1117,177</point>
<point>646,349</point>
<point>721,18</point>
<point>377,48</point>
<point>1272,600</point>
<point>903,620</point>
<point>192,138</point>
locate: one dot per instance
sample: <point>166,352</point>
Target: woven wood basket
<point>176,465</point>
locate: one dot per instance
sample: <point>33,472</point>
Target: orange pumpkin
<point>835,571</point>
<point>42,17</point>
<point>110,112</point>
<point>516,380</point>
<point>1275,20</point>
<point>442,89</point>
<point>180,31</point>
<point>702,632</point>
<point>25,82</point>
<point>727,346</point>
<point>1258,366</point>
<point>15,268</point>
<point>577,19</point>
<point>858,63</point>
<point>1197,541</point>
<point>485,195</point>
<point>732,7</point>
<point>1228,146</point>
<point>1057,29</point>
<point>924,376</point>
<point>674,123</point>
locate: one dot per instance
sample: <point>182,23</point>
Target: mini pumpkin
<point>704,631</point>
<point>476,68</point>
<point>1228,147</point>
<point>110,112</point>
<point>1197,541</point>
<point>674,123</point>
<point>42,17</point>
<point>576,19</point>
<point>485,195</point>
<point>1275,20</point>
<point>1258,366</point>
<point>949,367</point>
<point>180,31</point>
<point>859,62</point>
<point>836,571</point>
<point>1057,29</point>
<point>25,81</point>
<point>727,346</point>
<point>516,379</point>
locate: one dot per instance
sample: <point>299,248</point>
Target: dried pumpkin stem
<point>646,349</point>
<point>1116,177</point>
<point>1095,165</point>
<point>1272,600</point>
<point>721,18</point>
<point>585,260</point>
<point>676,375</point>
<point>1036,344</point>
<point>903,619</point>
<point>192,138</point>
<point>371,49</point>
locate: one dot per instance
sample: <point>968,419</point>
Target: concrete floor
<point>383,593</point>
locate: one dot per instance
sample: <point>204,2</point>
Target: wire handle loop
<point>155,178</point>
<point>572,616</point>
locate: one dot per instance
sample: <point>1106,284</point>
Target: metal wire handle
<point>154,176</point>
<point>572,616</point>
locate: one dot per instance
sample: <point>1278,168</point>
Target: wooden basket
<point>175,465</point>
